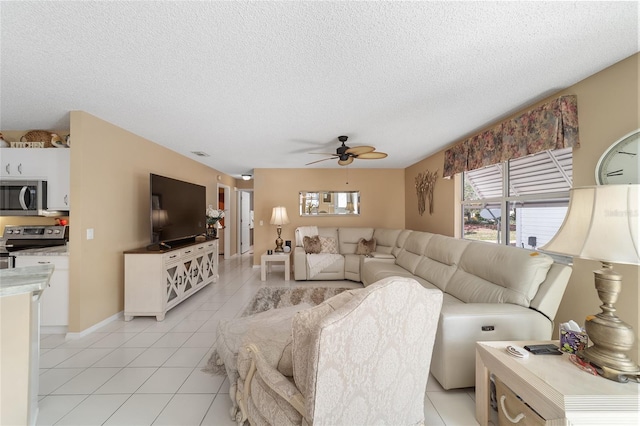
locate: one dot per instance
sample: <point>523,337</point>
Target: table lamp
<point>279,217</point>
<point>602,224</point>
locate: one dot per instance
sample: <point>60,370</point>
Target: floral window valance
<point>550,126</point>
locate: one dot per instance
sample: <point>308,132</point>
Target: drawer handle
<point>42,262</point>
<point>515,419</point>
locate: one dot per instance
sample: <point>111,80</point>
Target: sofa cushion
<point>441,258</point>
<point>386,239</point>
<point>352,263</point>
<point>305,231</point>
<point>402,238</point>
<point>348,238</point>
<point>312,245</point>
<point>492,273</point>
<point>366,247</point>
<point>375,271</point>
<point>411,254</point>
<point>328,245</point>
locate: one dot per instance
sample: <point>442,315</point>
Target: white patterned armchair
<point>361,357</point>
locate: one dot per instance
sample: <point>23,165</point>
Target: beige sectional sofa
<point>491,292</point>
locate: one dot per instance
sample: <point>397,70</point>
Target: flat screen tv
<point>178,211</point>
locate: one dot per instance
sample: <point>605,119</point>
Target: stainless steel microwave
<point>23,197</point>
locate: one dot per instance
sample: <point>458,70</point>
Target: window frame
<point>505,200</point>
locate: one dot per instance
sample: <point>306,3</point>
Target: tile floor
<point>145,372</point>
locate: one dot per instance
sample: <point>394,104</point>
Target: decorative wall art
<point>424,189</point>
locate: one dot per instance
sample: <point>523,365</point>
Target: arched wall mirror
<point>329,203</point>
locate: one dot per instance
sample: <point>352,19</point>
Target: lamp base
<point>618,367</point>
<point>610,335</point>
<point>279,242</point>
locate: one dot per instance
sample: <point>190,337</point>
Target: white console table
<point>156,281</point>
<point>558,391</point>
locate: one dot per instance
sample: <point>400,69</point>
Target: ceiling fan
<point>346,155</point>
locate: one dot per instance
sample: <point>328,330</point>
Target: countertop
<point>24,280</point>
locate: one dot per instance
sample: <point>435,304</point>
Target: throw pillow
<point>328,245</point>
<point>366,247</point>
<point>312,245</point>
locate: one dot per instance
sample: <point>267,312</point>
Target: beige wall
<point>382,201</point>
<point>607,110</point>
<point>110,193</point>
<point>443,219</point>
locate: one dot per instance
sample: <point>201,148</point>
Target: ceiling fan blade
<point>346,162</point>
<point>358,150</point>
<point>324,159</point>
<point>372,156</point>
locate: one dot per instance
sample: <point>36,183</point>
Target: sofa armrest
<point>461,325</point>
<point>299,263</point>
<point>272,378</point>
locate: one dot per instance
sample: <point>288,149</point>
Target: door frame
<point>227,214</point>
<point>239,216</point>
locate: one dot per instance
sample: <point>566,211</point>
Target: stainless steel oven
<point>23,237</point>
<point>23,197</point>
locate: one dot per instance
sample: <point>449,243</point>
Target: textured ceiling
<point>262,84</point>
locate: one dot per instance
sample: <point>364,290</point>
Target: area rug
<point>273,298</point>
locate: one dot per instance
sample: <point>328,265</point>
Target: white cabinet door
<point>173,277</point>
<point>190,271</point>
<point>58,179</point>
<point>211,261</point>
<point>54,303</point>
<point>24,163</point>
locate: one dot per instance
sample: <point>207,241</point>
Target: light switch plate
<point>90,234</point>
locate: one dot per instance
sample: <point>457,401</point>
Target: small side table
<point>558,391</point>
<point>266,259</point>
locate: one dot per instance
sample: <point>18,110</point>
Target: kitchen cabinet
<point>50,164</point>
<point>156,281</point>
<point>54,304</point>
<point>24,163</point>
<point>59,179</point>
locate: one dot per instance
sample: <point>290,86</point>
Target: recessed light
<point>200,153</point>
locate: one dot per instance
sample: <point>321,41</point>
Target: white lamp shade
<point>601,224</point>
<point>279,216</point>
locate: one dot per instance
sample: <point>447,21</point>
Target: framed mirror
<point>329,203</point>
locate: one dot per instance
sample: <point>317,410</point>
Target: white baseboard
<point>53,329</point>
<point>95,327</point>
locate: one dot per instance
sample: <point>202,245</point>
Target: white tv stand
<point>156,281</point>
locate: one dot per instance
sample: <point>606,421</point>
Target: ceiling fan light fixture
<point>345,162</point>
